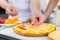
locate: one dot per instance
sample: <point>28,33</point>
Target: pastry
<point>30,30</point>
<point>55,35</point>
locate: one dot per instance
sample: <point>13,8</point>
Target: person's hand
<point>10,10</point>
<point>38,18</point>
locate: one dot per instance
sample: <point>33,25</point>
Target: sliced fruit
<point>8,21</point>
<point>22,27</point>
<point>2,20</point>
<point>12,21</point>
<point>18,30</point>
<point>15,20</point>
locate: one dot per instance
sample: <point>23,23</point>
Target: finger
<point>14,10</point>
<point>28,20</point>
<point>37,22</point>
<point>40,21</point>
<point>32,20</point>
<point>10,12</point>
<point>6,12</point>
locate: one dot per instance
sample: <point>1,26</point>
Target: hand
<point>10,10</point>
<point>38,18</point>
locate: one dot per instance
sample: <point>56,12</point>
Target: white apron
<point>22,7</point>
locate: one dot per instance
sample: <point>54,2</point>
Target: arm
<point>3,4</point>
<point>35,11</point>
<point>50,7</point>
<point>10,9</point>
<point>34,6</point>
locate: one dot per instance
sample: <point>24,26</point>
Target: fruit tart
<point>28,29</point>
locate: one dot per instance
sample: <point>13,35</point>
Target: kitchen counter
<point>10,33</point>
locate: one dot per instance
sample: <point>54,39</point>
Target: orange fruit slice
<point>8,21</point>
<point>12,21</point>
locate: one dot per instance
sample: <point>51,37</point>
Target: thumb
<point>41,21</point>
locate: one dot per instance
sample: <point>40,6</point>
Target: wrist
<point>46,15</point>
<point>36,12</point>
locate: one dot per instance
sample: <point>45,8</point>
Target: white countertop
<point>11,33</point>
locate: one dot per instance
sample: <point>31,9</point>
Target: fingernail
<point>32,22</point>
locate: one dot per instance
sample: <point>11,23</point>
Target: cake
<point>28,29</point>
<point>55,35</point>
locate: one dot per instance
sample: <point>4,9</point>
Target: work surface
<point>9,32</point>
